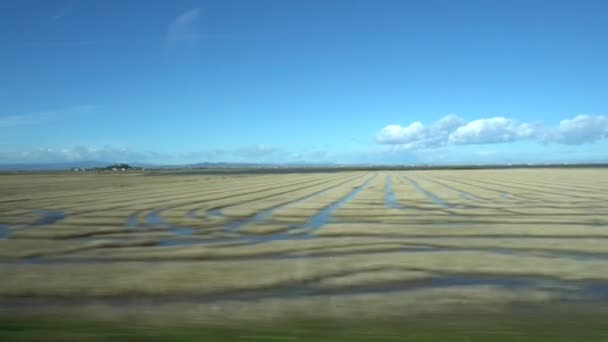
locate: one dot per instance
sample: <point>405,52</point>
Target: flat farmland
<point>267,246</point>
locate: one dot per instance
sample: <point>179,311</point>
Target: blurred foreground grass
<point>567,326</point>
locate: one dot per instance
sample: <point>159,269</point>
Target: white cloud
<point>395,134</point>
<point>109,153</point>
<point>259,153</point>
<point>579,130</point>
<point>453,130</point>
<point>491,131</point>
<point>417,135</point>
<point>185,27</point>
<point>449,123</point>
<point>72,154</point>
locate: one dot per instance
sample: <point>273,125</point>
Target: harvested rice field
<point>338,245</point>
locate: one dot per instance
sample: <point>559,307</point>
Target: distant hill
<point>52,166</point>
<point>101,165</point>
<point>64,166</point>
<point>95,164</point>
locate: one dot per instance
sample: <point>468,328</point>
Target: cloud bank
<point>259,153</point>
<point>580,130</point>
<point>75,153</point>
<point>453,130</point>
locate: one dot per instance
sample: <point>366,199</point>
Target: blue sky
<point>319,81</point>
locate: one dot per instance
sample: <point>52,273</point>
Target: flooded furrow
<point>48,217</point>
<point>4,232</point>
<point>317,253</point>
<point>132,220</point>
<point>265,214</point>
<point>537,191</point>
<point>45,217</point>
<point>216,212</point>
<point>462,194</point>
<point>182,231</point>
<point>501,193</point>
<point>305,186</point>
<point>566,290</point>
<point>324,215</point>
<point>192,214</point>
<point>389,195</point>
<point>562,290</point>
<point>234,225</point>
<point>431,196</point>
<point>154,219</point>
<point>310,226</point>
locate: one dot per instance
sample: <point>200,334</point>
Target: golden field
<point>339,244</point>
